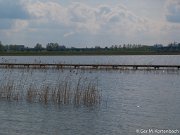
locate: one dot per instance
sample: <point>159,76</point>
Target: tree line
<point>172,47</point>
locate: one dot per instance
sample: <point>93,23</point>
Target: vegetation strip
<point>121,49</point>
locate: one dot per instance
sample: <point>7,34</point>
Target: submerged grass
<point>66,91</point>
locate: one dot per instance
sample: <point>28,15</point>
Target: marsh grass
<point>68,91</point>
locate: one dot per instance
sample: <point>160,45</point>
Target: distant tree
<point>1,46</point>
<point>124,46</point>
<point>62,48</point>
<point>38,47</point>
<point>97,47</point>
<point>106,48</point>
<point>115,47</point>
<point>52,47</point>
<point>178,46</point>
<point>112,46</point>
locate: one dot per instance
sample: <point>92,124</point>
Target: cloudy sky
<point>89,23</point>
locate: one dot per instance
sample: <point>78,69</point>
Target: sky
<point>88,23</point>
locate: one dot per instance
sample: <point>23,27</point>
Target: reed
<point>31,94</point>
<point>64,92</point>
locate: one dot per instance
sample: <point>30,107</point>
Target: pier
<point>88,66</point>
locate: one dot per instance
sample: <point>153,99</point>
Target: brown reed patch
<point>64,92</point>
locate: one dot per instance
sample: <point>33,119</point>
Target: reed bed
<point>79,91</point>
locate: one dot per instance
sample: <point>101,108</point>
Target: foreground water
<point>131,100</point>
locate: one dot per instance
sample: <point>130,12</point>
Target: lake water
<point>154,59</point>
<point>131,99</point>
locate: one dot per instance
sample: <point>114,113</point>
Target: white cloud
<point>84,18</point>
<point>50,21</point>
<point>68,34</point>
<point>47,11</point>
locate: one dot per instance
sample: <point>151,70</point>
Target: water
<point>143,59</point>
<point>131,100</point>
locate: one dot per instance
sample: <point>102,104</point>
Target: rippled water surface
<point>143,59</point>
<point>130,99</point>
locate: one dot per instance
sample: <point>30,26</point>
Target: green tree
<point>38,47</point>
<point>1,46</point>
<point>52,47</point>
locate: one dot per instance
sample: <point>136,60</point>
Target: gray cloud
<point>12,9</point>
<point>173,11</point>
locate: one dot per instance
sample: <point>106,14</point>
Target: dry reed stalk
<point>80,93</point>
